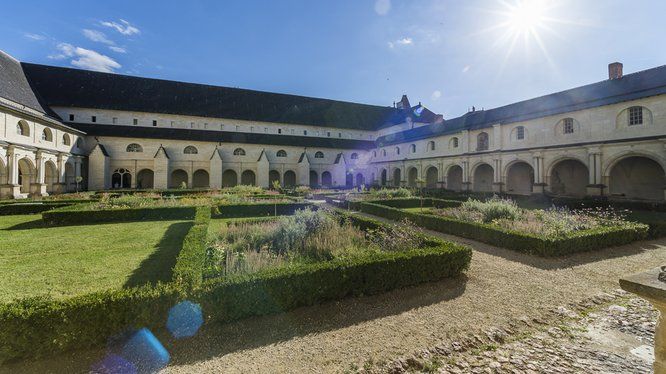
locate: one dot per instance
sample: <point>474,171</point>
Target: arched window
<point>354,156</point>
<point>319,154</point>
<point>134,148</point>
<point>482,142</point>
<point>22,128</point>
<point>635,116</point>
<point>190,150</point>
<point>454,142</point>
<point>397,150</point>
<point>47,135</point>
<point>431,145</point>
<point>66,140</point>
<point>281,153</point>
<point>520,133</point>
<point>384,152</point>
<point>412,148</point>
<point>568,126</point>
<point>239,152</point>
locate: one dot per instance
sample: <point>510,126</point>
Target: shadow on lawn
<point>158,266</point>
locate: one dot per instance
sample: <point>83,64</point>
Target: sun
<point>526,17</point>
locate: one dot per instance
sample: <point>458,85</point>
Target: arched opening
<point>66,140</point>
<point>349,180</point>
<point>454,178</point>
<point>47,135</point>
<point>289,178</point>
<point>22,128</point>
<point>70,177</point>
<point>121,178</point>
<point>520,178</point>
<point>273,176</point>
<point>248,178</point>
<point>26,174</point>
<point>229,178</point>
<point>190,150</point>
<point>637,177</point>
<point>397,177</point>
<point>239,152</point>
<point>145,179</point>
<point>50,175</point>
<point>314,178</point>
<point>3,173</point>
<point>431,177</point>
<point>135,148</point>
<point>483,178</point>
<point>412,177</point>
<point>569,178</point>
<point>384,177</point>
<point>360,180</point>
<point>200,179</point>
<point>326,179</point>
<point>178,177</point>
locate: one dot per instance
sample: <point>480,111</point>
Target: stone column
<point>39,187</point>
<point>466,184</point>
<point>12,188</point>
<point>595,186</point>
<point>537,166</point>
<point>497,175</point>
<point>648,286</point>
<point>61,185</point>
<point>77,173</point>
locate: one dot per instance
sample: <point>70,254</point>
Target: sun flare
<point>525,17</point>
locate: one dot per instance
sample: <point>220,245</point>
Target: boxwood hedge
<point>30,208</point>
<point>256,210</point>
<point>188,269</point>
<point>80,215</point>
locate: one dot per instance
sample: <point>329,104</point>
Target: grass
<point>73,260</point>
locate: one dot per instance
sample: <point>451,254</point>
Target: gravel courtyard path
<point>500,286</point>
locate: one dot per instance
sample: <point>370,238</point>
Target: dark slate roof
<point>161,148</point>
<point>69,87</point>
<point>418,113</point>
<point>633,86</point>
<point>304,156</point>
<point>219,136</point>
<point>338,158</point>
<point>15,87</point>
<point>103,149</point>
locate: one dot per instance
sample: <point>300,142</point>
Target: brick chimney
<point>615,70</point>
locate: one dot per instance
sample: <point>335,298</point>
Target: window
<point>520,133</point>
<point>374,153</point>
<point>279,131</point>
<point>205,125</point>
<point>251,128</point>
<point>94,118</point>
<point>454,142</point>
<point>412,148</point>
<point>397,150</point>
<point>328,133</point>
<point>114,120</point>
<point>191,125</point>
<point>568,125</point>
<point>22,128</point>
<point>339,135</point>
<point>221,126</point>
<point>190,150</point>
<point>305,132</point>
<point>635,115</point>
<point>384,152</point>
<point>134,148</point>
<point>135,121</point>
<point>265,129</point>
<point>319,154</point>
<point>292,131</point>
<point>71,117</point>
<point>281,153</point>
<point>66,140</point>
<point>154,122</point>
<point>239,152</point>
<point>47,136</point>
<point>172,123</point>
<point>431,145</point>
<point>354,156</point>
<point>482,142</point>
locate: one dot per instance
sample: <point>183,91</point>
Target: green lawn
<point>73,260</point>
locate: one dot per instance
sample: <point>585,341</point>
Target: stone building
<point>115,131</point>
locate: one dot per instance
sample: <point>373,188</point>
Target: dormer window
<point>635,115</point>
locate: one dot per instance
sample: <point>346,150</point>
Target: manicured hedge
<point>30,208</point>
<point>256,210</point>
<point>579,242</point>
<point>38,327</point>
<point>190,262</point>
<point>602,202</point>
<point>415,202</point>
<point>79,215</point>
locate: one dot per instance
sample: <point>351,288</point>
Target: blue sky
<point>450,55</point>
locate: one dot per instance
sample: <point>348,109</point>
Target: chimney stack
<point>615,70</point>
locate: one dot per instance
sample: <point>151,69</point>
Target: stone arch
<point>384,177</point>
<point>50,175</point>
<point>145,179</point>
<point>412,176</point>
<point>23,128</point>
<point>349,180</point>
<point>637,177</point>
<point>229,178</point>
<point>482,177</point>
<point>397,177</point>
<point>47,135</point>
<point>620,156</point>
<point>273,176</point>
<point>289,178</point>
<point>360,180</point>
<point>121,178</point>
<point>248,178</point>
<point>66,139</point>
<point>3,173</point>
<point>26,174</point>
<point>200,179</point>
<point>431,177</point>
<point>454,178</point>
<point>519,178</point>
<point>178,176</point>
<point>326,179</point>
<point>568,177</point>
<point>314,178</point>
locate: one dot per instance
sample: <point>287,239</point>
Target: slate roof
<point>633,86</point>
<point>15,87</point>
<point>219,136</point>
<point>67,87</point>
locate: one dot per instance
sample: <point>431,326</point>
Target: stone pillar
<point>61,185</point>
<point>537,166</point>
<point>263,167</point>
<point>497,175</point>
<point>648,286</point>
<point>12,188</point>
<point>161,170</point>
<point>77,173</point>
<point>466,184</point>
<point>216,170</point>
<point>39,187</point>
<point>595,186</point>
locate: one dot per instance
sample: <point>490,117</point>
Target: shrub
<point>189,267</point>
<point>386,193</point>
<point>30,208</point>
<point>260,209</point>
<point>81,215</point>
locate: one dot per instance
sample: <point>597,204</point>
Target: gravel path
<point>500,286</point>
